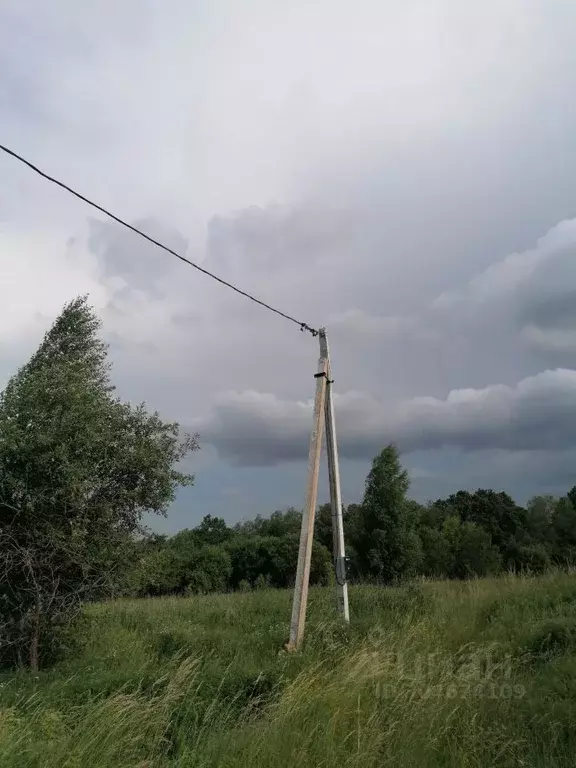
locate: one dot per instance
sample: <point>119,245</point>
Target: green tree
<point>156,571</point>
<point>274,558</point>
<point>436,552</point>
<point>281,523</point>
<point>353,527</point>
<point>181,565</point>
<point>212,530</point>
<point>529,558</point>
<point>249,527</point>
<point>563,526</point>
<point>208,569</point>
<point>387,545</point>
<point>495,512</point>
<point>572,496</point>
<point>540,511</point>
<point>471,550</point>
<point>78,469</point>
<point>323,526</point>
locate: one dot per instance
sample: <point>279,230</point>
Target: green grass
<point>479,673</point>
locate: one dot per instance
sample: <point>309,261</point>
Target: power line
<point>303,326</point>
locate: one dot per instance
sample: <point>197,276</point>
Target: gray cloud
<point>527,298</point>
<point>539,413</point>
<point>349,167</point>
<point>121,253</point>
<point>278,237</point>
<point>553,312</point>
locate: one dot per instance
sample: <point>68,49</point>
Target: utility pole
<point>338,550</point>
<point>307,530</point>
<point>323,413</point>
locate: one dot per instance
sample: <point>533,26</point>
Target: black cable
<point>303,326</point>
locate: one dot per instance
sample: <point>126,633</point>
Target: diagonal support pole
<point>339,552</point>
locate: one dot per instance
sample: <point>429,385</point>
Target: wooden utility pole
<point>323,413</point>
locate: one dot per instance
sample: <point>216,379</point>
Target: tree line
<point>79,468</point>
<point>389,538</point>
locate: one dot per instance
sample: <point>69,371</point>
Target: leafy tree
<point>281,523</point>
<point>248,558</point>
<point>323,526</point>
<point>496,513</point>
<point>321,566</point>
<point>274,558</point>
<point>563,526</point>
<point>572,496</point>
<point>78,469</point>
<point>387,545</point>
<point>436,552</point>
<point>475,555</point>
<point>157,572</point>
<point>182,566</point>
<point>539,513</point>
<point>280,554</point>
<point>531,558</point>
<point>206,570</point>
<point>353,536</point>
<point>248,527</point>
<point>433,514</point>
<point>212,530</point>
<point>471,550</point>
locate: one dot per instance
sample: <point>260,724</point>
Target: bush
<point>178,570</point>
<point>527,559</point>
<point>471,550</point>
<point>206,569</point>
<point>274,559</point>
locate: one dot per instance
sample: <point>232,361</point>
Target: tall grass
<point>478,673</point>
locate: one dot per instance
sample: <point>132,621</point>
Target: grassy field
<point>479,673</point>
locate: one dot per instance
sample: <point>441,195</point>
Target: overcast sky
<point>403,173</point>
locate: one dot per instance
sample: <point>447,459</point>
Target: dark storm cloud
<point>525,303</point>
<point>484,332</point>
<point>538,414</point>
<point>557,311</point>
